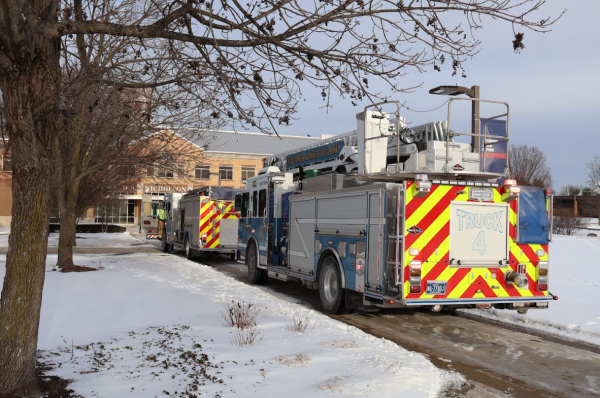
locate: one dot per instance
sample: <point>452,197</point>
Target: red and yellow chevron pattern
<point>209,224</point>
<point>211,213</point>
<point>228,210</point>
<point>431,214</point>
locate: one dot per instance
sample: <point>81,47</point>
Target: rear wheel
<point>164,245</point>
<point>330,287</point>
<point>232,256</point>
<point>256,275</point>
<point>188,248</point>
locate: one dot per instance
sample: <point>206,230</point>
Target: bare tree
<point>594,180</point>
<point>564,222</point>
<point>527,164</point>
<point>594,173</point>
<point>255,56</point>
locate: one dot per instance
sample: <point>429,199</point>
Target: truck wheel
<point>188,248</point>
<point>256,275</point>
<point>164,245</point>
<point>232,256</point>
<point>330,287</point>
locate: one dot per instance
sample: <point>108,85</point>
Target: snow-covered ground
<point>148,325</point>
<point>152,324</point>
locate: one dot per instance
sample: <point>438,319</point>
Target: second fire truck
<point>202,221</point>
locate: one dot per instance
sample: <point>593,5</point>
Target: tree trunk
<point>29,92</point>
<point>68,223</point>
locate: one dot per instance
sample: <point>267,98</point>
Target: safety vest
<point>162,214</point>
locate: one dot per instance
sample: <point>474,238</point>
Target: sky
<point>551,87</point>
<point>111,342</point>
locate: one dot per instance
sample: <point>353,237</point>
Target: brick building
<point>221,158</point>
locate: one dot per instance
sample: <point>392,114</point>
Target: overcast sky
<point>551,86</point>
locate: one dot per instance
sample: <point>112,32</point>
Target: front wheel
<point>331,290</point>
<point>256,275</point>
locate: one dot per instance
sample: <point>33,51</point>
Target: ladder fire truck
<point>202,221</point>
<point>387,217</point>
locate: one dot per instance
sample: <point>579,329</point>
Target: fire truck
<point>202,221</point>
<point>388,216</point>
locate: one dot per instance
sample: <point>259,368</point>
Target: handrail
<point>484,135</point>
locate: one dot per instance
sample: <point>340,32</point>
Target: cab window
<point>255,204</point>
<point>245,203</point>
<point>262,203</point>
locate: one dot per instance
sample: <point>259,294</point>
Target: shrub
<point>299,324</point>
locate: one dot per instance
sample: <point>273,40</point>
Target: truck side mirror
<point>238,202</point>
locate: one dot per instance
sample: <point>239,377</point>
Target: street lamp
<point>472,92</point>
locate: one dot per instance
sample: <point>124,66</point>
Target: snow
<point>143,322</point>
<point>152,324</point>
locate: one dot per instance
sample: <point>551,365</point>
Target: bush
<point>243,318</point>
<point>565,223</point>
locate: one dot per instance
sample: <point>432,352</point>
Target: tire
<point>232,256</point>
<point>188,248</point>
<point>256,275</point>
<point>330,287</point>
<point>164,245</point>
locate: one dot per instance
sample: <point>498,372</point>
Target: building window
<point>165,170</point>
<point>181,171</point>
<point>225,173</point>
<point>126,171</point>
<point>6,163</point>
<point>150,171</point>
<point>248,172</point>
<point>202,172</point>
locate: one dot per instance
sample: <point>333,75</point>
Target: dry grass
<point>299,324</point>
<point>244,337</point>
<point>335,384</point>
<point>293,360</point>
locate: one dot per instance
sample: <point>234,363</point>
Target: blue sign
<point>493,155</point>
<point>319,154</point>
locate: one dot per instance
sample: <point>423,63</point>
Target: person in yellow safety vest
<point>162,218</point>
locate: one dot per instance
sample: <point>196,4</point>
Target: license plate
<point>436,288</point>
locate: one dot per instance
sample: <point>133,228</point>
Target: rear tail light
<point>415,268</point>
<point>542,287</point>
<point>510,182</point>
<point>415,276</point>
<point>203,238</point>
<point>415,289</point>
<point>413,252</point>
<point>542,274</point>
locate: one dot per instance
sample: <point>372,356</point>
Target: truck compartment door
<point>478,234</point>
